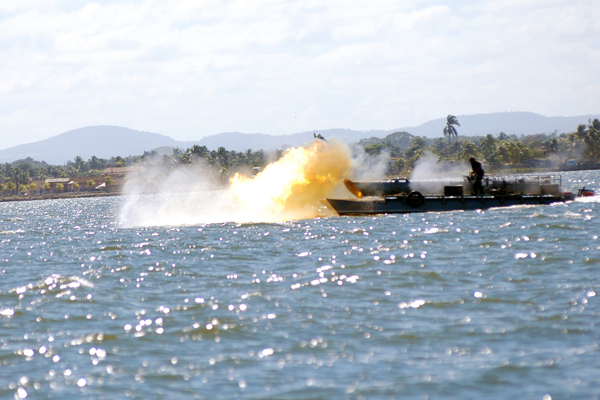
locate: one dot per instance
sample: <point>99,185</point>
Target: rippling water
<point>493,304</point>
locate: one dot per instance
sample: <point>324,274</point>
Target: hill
<point>255,141</point>
<point>511,123</point>
<point>110,141</point>
<point>99,141</point>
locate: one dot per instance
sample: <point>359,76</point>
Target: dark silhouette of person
<point>477,174</point>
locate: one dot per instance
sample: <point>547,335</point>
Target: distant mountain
<point>256,141</point>
<point>99,141</point>
<point>511,123</point>
<point>110,141</point>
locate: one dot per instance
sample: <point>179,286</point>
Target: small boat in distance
<point>583,192</point>
<point>404,196</point>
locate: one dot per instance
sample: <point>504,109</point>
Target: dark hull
<point>404,204</point>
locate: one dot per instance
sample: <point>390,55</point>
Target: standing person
<point>477,173</point>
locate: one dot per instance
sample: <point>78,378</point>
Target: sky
<point>193,68</point>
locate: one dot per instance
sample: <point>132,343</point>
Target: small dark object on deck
<point>453,191</point>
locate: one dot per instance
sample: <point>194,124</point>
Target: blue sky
<point>192,68</point>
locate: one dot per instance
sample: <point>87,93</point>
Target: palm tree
<point>199,151</point>
<point>2,188</point>
<point>468,150</point>
<point>488,143</point>
<point>11,186</point>
<point>32,187</point>
<point>592,140</point>
<point>53,171</point>
<point>75,186</point>
<point>449,130</point>
<point>89,184</point>
<point>59,187</point>
<point>582,131</point>
<point>222,157</point>
<point>18,175</point>
<point>96,163</point>
<point>8,169</point>
<point>79,164</point>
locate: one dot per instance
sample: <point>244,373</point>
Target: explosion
<point>288,189</point>
<point>292,187</point>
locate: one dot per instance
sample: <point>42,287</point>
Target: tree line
<point>403,148</point>
<point>582,145</point>
<point>221,163</point>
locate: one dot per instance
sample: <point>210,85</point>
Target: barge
<point>404,196</point>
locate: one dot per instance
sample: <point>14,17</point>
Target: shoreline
<point>79,195</point>
<point>53,196</point>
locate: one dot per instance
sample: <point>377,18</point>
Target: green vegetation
<point>222,161</point>
<point>500,150</point>
<point>28,169</point>
<point>218,164</point>
<point>528,152</point>
<point>119,162</point>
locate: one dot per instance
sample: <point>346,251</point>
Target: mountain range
<point>110,141</point>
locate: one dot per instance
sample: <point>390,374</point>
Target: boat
<point>583,192</point>
<point>402,195</point>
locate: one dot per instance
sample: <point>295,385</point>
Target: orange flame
<point>292,187</point>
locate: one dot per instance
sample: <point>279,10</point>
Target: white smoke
<point>184,195</point>
<point>429,175</point>
<point>367,167</point>
<point>291,187</point>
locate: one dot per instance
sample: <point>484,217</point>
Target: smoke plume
<point>288,189</point>
<point>429,176</point>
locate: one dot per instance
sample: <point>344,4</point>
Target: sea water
<point>501,303</point>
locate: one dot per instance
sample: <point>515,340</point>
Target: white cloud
<point>193,68</point>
